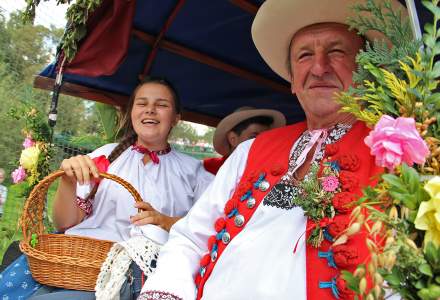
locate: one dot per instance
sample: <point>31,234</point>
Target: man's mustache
<point>328,81</point>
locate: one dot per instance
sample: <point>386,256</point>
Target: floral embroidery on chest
<point>284,193</point>
<point>328,190</point>
<point>325,197</point>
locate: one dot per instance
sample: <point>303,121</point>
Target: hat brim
<point>277,21</point>
<point>220,141</point>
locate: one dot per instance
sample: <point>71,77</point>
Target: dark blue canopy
<point>227,72</point>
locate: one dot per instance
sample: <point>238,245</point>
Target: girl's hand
<point>79,168</point>
<point>151,216</point>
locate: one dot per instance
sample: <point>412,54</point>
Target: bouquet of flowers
<point>396,93</point>
<point>36,154</point>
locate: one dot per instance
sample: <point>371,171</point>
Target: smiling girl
<point>169,182</point>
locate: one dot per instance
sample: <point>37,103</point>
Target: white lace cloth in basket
<point>140,249</point>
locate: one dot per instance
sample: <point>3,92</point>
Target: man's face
<point>323,60</point>
<point>250,132</point>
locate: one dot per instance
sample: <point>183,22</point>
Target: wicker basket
<point>66,261</point>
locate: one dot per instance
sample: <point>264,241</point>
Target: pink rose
<point>18,175</point>
<point>394,141</point>
<point>28,142</point>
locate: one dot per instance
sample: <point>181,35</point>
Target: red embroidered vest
<point>267,161</point>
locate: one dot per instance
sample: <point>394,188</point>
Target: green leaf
<point>412,216</point>
<point>436,69</point>
<point>430,293</point>
<point>352,281</point>
<point>432,8</point>
<point>420,284</point>
<point>434,98</point>
<point>394,182</point>
<point>429,40</point>
<point>108,117</point>
<point>432,253</point>
<point>393,278</point>
<point>409,201</point>
<point>429,28</point>
<point>436,49</point>
<point>426,269</point>
<point>410,178</point>
<point>437,279</point>
<point>421,195</point>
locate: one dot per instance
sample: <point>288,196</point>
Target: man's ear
<point>232,138</point>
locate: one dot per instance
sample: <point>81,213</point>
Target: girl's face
<point>153,115</point>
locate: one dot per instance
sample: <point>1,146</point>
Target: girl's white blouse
<point>171,187</point>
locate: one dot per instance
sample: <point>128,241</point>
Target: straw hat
<point>221,144</point>
<point>277,21</point>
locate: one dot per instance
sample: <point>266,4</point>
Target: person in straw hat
<point>243,124</point>
<point>256,233</point>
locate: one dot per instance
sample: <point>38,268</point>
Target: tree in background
<point>24,50</point>
<point>184,131</point>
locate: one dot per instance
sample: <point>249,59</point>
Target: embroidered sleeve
<point>85,205</point>
<point>157,295</point>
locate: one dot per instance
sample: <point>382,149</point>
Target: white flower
<point>9,284</point>
<point>24,285</point>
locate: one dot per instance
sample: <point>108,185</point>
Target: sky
<point>48,13</point>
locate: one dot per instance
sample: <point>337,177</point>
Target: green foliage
<point>406,189</point>
<point>87,142</point>
<point>432,255</point>
<point>408,274</point>
<point>109,119</point>
<point>22,54</point>
<point>378,89</point>
<point>209,135</point>
<point>401,81</point>
<point>351,280</point>
<point>383,18</point>
<point>9,229</point>
<point>315,201</point>
<point>185,131</point>
<point>77,15</point>
<point>432,292</point>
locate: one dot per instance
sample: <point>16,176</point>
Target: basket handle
<point>32,215</point>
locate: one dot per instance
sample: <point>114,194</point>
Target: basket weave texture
<point>66,261</point>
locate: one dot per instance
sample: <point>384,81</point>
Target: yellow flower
<point>29,157</point>
<point>428,215</point>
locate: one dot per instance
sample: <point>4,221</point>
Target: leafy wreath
<point>76,29</point>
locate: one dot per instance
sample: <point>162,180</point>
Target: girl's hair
<point>126,126</point>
